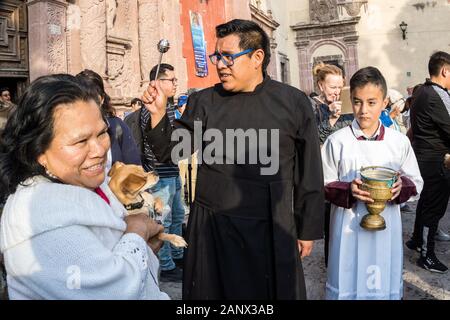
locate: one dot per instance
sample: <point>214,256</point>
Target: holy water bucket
<point>378,182</point>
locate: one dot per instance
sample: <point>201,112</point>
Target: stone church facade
<point>117,39</point>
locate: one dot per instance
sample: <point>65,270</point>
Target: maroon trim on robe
<point>408,190</point>
<point>339,193</point>
<point>379,137</point>
<point>101,194</point>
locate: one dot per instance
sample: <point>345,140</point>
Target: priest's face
<point>368,101</point>
<point>246,71</point>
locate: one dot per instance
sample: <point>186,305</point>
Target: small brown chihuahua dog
<point>129,184</point>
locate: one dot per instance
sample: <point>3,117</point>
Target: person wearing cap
<point>430,123</point>
<point>391,117</point>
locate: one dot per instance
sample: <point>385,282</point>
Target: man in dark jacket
<point>169,185</point>
<point>254,217</point>
<point>430,121</point>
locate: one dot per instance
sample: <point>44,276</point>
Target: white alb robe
<point>366,264</point>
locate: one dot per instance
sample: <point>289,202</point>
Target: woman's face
<point>78,151</point>
<point>331,87</point>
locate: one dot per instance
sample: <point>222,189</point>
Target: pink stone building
<point>115,38</point>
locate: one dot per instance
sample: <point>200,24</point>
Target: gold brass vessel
<point>378,182</point>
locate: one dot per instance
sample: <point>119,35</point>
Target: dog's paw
<point>174,239</point>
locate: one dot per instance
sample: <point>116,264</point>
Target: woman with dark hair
<point>63,233</point>
<point>123,147</point>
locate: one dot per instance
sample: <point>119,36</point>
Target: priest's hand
<point>396,188</point>
<point>359,194</point>
<point>447,161</point>
<point>155,102</point>
<point>305,247</point>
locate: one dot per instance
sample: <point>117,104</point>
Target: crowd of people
<point>64,234</point>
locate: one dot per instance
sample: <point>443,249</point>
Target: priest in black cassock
<point>252,221</point>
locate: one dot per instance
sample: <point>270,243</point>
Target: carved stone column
<point>93,35</point>
<point>74,64</point>
<point>46,36</point>
<point>269,25</point>
<point>304,66</point>
<point>352,55</point>
<point>149,35</point>
<point>340,34</point>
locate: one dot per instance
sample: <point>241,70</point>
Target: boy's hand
<point>396,188</point>
<point>359,194</point>
<point>305,247</point>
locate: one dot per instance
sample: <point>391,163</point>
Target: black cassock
<point>243,226</point>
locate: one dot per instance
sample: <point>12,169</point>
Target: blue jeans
<point>169,190</point>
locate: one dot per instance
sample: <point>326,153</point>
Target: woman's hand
<point>154,242</point>
<point>143,225</point>
<point>335,109</point>
<point>359,194</point>
<point>395,112</point>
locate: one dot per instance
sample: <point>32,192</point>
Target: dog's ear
<point>134,183</point>
<point>115,167</point>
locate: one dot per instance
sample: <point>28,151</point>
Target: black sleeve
<point>440,116</point>
<point>160,137</point>
<point>308,187</point>
<point>130,152</point>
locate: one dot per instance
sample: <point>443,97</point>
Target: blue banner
<point>199,44</point>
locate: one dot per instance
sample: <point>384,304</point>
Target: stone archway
<point>341,34</point>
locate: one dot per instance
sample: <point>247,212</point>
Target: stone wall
<point>115,38</point>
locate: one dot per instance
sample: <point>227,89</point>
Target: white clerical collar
<point>360,135</point>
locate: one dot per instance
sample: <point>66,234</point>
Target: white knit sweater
<point>65,242</point>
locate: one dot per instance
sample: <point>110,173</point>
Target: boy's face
<point>368,102</point>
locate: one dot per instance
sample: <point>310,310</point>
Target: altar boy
<point>366,264</point>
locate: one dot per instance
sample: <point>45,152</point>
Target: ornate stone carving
<point>111,12</point>
<point>93,35</point>
<point>353,7</point>
<point>120,72</point>
<point>341,34</point>
<point>321,11</point>
<point>149,33</point>
<point>56,38</point>
<point>122,78</point>
<point>73,23</point>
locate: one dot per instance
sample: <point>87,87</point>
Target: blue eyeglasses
<point>227,59</point>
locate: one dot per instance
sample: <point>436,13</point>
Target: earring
<point>51,175</point>
<point>48,173</point>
